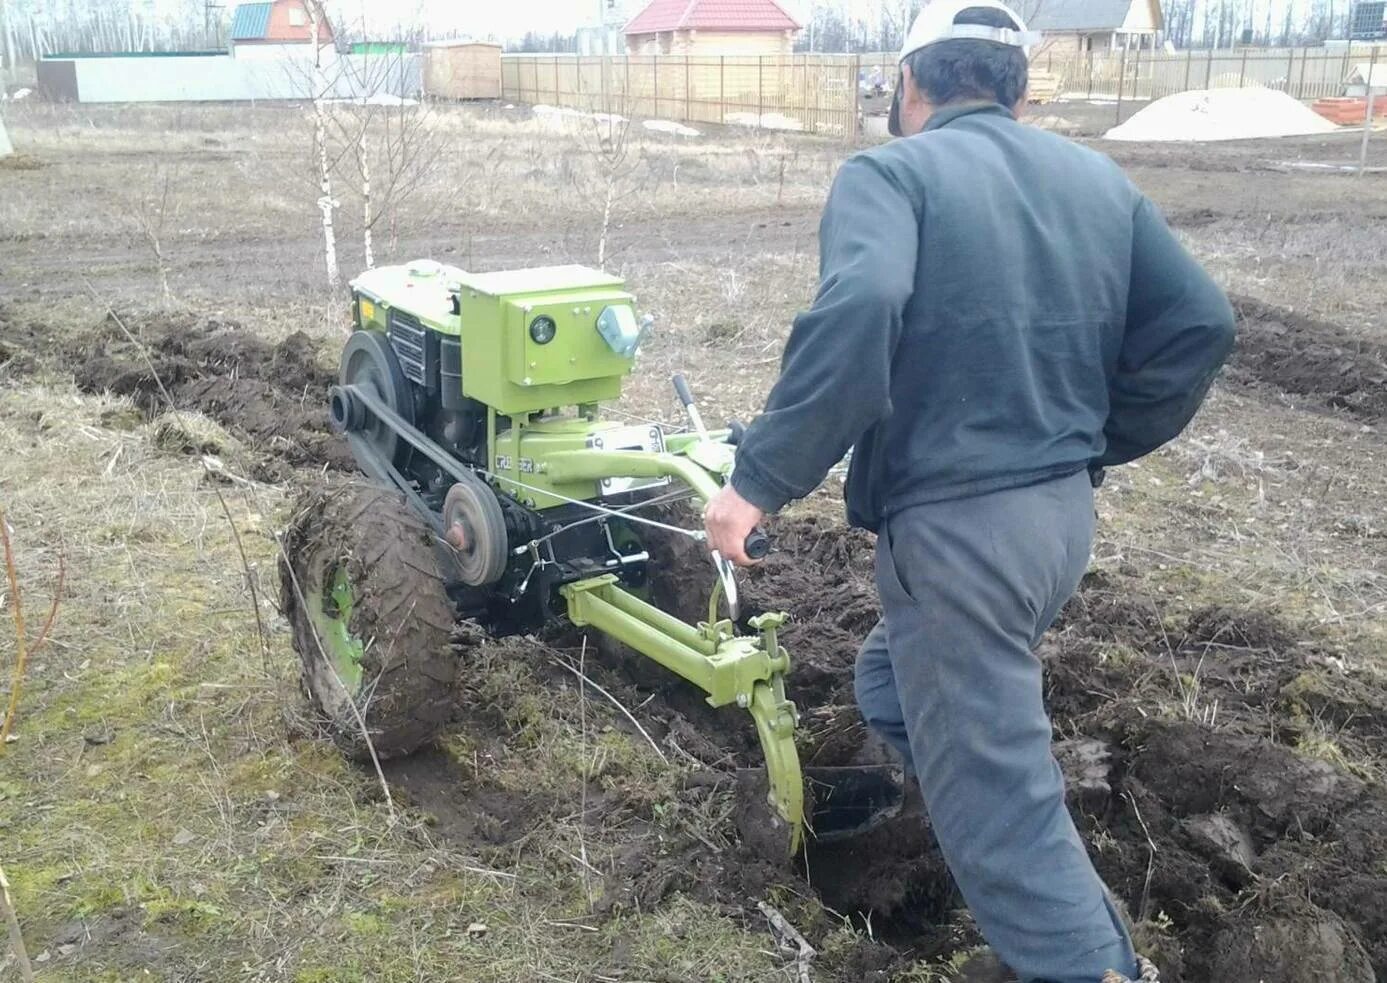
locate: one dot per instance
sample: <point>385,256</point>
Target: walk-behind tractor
<point>503,498</point>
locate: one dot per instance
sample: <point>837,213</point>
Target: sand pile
<point>1222,114</point>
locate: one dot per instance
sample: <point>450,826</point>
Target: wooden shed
<point>462,70</point>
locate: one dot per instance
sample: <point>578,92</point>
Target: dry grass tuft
<point>20,162</point>
<point>186,432</point>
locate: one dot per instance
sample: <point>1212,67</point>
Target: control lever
<point>681,386</point>
<point>757,544</point>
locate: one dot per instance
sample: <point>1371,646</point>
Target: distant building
<point>712,27</point>
<point>1369,21</point>
<point>462,69</point>
<point>1098,25</point>
<point>276,29</point>
<point>601,35</point>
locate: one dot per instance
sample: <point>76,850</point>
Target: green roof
<point>379,48</point>
<point>251,21</point>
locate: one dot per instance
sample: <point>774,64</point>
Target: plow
<point>501,495</point>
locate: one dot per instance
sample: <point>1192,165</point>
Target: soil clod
<point>274,396</point>
<point>1303,357</point>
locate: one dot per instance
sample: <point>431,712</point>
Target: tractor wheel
<point>370,618</point>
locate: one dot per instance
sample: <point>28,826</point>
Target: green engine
<point>543,347</point>
<point>478,395</point>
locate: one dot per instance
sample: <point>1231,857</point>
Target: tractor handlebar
<point>681,388</point>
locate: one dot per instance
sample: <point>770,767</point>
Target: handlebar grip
<point>682,388</point>
<point>757,545</point>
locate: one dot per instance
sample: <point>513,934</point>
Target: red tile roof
<point>711,15</point>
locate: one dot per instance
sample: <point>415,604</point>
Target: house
<point>711,27</point>
<point>1369,21</point>
<point>601,35</point>
<point>1097,25</point>
<point>273,30</point>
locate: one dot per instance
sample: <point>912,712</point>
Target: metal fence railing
<point>1303,73</point>
<point>818,93</point>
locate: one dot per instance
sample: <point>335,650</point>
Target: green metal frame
<point>544,459</point>
<point>746,670</point>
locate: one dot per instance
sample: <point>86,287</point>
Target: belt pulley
<point>475,528</point>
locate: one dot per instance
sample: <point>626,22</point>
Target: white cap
<point>935,23</point>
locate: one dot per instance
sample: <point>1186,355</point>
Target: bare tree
<point>149,214</point>
<point>608,144</point>
<point>326,203</point>
<point>21,954</point>
<point>613,155</point>
<point>391,141</point>
<point>32,28</point>
<point>6,38</point>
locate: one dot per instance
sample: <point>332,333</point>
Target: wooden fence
<point>805,93</point>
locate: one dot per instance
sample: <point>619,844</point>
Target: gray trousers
<point>949,679</point>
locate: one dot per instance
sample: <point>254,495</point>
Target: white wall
<point>222,78</point>
<point>299,49</point>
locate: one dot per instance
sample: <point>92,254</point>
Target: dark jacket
<point>997,307</point>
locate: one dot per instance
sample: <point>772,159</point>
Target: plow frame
<point>730,668</point>
<point>748,670</point>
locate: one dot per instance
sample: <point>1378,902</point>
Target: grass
<point>495,169</point>
<point>1246,521</point>
<point>167,807</point>
<point>1324,263</point>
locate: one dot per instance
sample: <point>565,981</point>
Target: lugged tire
<point>401,614</point>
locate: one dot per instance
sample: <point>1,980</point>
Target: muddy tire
<point>370,618</point>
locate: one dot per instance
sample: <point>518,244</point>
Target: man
<point>1001,315</point>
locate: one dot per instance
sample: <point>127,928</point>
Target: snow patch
<point>379,99</point>
<point>766,121</point>
<point>567,118</point>
<point>670,126</point>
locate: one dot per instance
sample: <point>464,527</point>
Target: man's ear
<point>908,88</point>
<point>913,102</point>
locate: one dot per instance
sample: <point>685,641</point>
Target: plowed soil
<point>271,394</point>
<point>1240,859</point>
<point>1314,361</point>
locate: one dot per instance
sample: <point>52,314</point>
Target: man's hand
<point>729,519</point>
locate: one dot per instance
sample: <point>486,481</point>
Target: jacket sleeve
<point>1179,330</point>
<point>835,375</point>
